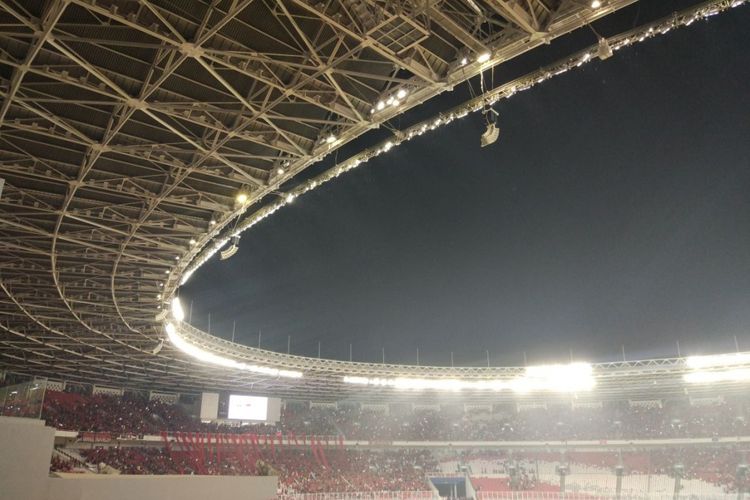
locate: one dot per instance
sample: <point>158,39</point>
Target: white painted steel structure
<point>127,128</point>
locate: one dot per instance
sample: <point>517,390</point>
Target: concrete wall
<point>25,452</point>
<point>26,449</point>
<point>99,487</point>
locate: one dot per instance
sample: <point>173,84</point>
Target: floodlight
<point>574,377</point>
<point>718,360</point>
<point>380,105</point>
<point>178,313</point>
<point>712,377</point>
<point>604,51</point>
<point>331,139</point>
<point>208,357</point>
<point>401,93</point>
<point>289,198</point>
<point>242,197</point>
<point>464,61</point>
<point>595,4</point>
<point>483,57</point>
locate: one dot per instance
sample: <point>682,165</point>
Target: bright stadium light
<point>575,377</point>
<point>595,4</point>
<point>178,313</point>
<point>215,359</point>
<point>483,57</point>
<point>712,377</point>
<point>718,360</point>
<point>401,93</point>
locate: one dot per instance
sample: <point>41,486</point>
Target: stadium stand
<point>142,436</point>
<point>132,414</point>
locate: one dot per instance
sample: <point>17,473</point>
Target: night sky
<point>613,210</point>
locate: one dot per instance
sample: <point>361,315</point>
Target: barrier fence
<point>361,495</point>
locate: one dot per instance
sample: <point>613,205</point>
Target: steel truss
<point>127,128</point>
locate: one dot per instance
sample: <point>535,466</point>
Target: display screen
<point>247,407</point>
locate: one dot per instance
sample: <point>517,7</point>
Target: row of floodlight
<point>557,378</point>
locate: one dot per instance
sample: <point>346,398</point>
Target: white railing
<point>361,495</point>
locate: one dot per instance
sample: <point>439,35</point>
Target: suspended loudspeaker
<point>490,135</point>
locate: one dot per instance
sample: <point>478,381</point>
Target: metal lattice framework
<point>128,127</point>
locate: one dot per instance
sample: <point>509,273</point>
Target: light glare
<point>178,313</point>
<point>575,377</point>
<point>215,359</point>
<point>718,360</point>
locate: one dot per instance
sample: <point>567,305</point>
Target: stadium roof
<point>128,128</point>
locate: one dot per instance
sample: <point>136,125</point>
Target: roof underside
<point>127,128</point>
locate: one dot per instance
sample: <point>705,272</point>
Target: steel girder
<point>128,126</point>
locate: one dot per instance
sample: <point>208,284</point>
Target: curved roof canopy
<point>128,127</point>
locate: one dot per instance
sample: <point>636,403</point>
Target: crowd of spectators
<point>717,465</point>
<point>137,415</point>
<point>117,414</point>
<point>58,464</point>
<point>298,470</point>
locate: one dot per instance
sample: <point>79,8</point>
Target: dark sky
<point>613,210</point>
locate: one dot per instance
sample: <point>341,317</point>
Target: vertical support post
<point>288,344</point>
<point>209,323</point>
<point>234,329</point>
